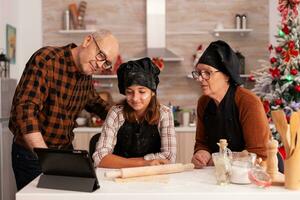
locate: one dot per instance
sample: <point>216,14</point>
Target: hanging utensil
<point>279,119</point>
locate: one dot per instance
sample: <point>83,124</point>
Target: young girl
<point>139,131</point>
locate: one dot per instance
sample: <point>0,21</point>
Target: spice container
<point>238,21</point>
<point>244,22</point>
<point>66,20</point>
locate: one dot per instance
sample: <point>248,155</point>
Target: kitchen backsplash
<point>189,24</point>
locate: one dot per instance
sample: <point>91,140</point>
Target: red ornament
<point>275,72</point>
<point>270,47</point>
<point>297,88</point>
<point>273,60</point>
<point>278,49</point>
<point>286,29</point>
<point>251,78</point>
<point>294,72</point>
<point>278,102</point>
<point>291,44</point>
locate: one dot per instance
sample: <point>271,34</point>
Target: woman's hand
<point>156,162</point>
<point>201,158</point>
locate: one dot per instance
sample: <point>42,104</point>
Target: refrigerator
<point>7,178</point>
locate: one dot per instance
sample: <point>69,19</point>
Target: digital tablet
<point>67,163</point>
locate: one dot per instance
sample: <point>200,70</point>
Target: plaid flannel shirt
<point>50,95</point>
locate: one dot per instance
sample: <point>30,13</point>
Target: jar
<point>241,164</point>
<point>67,20</point>
<point>222,168</point>
<point>238,21</point>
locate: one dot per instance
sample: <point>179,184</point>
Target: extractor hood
<point>156,33</point>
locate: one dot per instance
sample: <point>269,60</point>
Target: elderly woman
<point>226,110</point>
<point>139,131</point>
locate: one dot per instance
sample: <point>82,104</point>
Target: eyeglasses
<point>203,73</point>
<point>102,57</point>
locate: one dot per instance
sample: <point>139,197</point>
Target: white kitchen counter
<point>98,129</point>
<point>197,184</point>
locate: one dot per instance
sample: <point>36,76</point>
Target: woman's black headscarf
<point>220,56</point>
<point>138,72</point>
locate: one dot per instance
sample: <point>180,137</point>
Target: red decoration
<point>286,29</point>
<point>275,72</point>
<point>291,44</point>
<point>291,52</point>
<point>297,88</point>
<point>159,63</point>
<point>294,72</point>
<point>278,49</point>
<point>270,47</point>
<point>288,6</point>
<point>251,78</point>
<point>278,102</point>
<point>273,60</point>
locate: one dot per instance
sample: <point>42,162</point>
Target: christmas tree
<point>278,82</point>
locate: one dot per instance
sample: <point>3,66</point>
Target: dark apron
<point>137,140</point>
<point>223,123</point>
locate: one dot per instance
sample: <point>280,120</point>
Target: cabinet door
<point>82,140</point>
<point>185,146</point>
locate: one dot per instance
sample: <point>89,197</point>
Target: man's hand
<point>201,158</point>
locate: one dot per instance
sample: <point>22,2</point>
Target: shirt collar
<point>71,65</point>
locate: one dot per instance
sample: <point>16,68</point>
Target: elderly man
<point>55,87</point>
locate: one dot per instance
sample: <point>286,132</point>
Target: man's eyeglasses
<point>203,73</point>
<point>102,57</point>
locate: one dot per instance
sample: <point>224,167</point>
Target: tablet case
<point>66,170</point>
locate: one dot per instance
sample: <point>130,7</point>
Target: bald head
<point>108,42</point>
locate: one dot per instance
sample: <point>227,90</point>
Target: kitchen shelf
<point>104,76</point>
<point>76,31</point>
<point>242,32</point>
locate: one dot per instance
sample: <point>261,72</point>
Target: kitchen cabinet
<point>185,146</point>
<point>185,141</point>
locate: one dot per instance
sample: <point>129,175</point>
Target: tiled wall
<point>189,23</point>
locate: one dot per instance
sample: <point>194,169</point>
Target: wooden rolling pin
<point>149,170</point>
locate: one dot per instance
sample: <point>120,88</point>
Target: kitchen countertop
<point>193,185</point>
<point>179,129</point>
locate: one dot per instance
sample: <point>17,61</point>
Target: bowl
<point>81,121</point>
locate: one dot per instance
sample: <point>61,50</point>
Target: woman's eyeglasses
<point>102,57</point>
<point>203,73</point>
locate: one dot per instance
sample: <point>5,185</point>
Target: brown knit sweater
<point>252,118</point>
